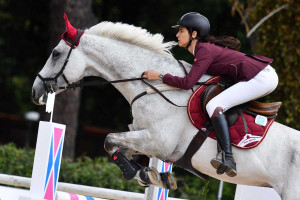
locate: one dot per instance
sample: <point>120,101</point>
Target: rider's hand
<point>151,75</point>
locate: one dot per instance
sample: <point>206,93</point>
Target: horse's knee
<point>109,145</point>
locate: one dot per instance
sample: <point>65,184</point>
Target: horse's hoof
<point>154,176</point>
<point>162,180</point>
<point>168,181</point>
<point>143,184</point>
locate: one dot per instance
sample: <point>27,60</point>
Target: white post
<point>47,160</point>
<point>220,191</point>
<point>156,193</point>
<point>246,192</point>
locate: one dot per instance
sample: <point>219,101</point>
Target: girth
<point>185,161</point>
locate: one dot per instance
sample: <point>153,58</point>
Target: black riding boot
<point>226,163</point>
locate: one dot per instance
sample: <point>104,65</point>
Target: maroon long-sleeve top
<point>219,61</point>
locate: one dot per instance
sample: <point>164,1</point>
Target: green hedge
<point>99,172</point>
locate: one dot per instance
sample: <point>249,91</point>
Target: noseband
<point>53,81</point>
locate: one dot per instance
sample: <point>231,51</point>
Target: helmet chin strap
<point>189,44</point>
<point>190,31</point>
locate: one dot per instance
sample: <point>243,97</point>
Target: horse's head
<point>65,65</point>
<point>108,50</point>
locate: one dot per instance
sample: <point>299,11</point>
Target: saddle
<point>254,108</point>
<point>241,121</point>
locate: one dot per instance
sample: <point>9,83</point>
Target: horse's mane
<point>133,35</point>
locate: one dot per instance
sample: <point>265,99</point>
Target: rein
<point>162,95</point>
<point>104,82</point>
<point>98,82</point>
<point>48,83</point>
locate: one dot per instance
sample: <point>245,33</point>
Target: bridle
<point>53,81</point>
<point>49,83</point>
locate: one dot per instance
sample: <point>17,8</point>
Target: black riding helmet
<point>196,21</point>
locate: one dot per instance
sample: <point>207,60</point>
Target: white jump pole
<point>92,192</point>
<point>8,193</point>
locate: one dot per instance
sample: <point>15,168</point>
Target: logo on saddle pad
<point>248,139</point>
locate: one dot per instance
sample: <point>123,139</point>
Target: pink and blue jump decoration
<point>163,193</point>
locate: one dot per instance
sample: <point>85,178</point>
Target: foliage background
<point>279,38</point>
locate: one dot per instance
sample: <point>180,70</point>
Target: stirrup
<point>219,163</point>
<point>225,167</point>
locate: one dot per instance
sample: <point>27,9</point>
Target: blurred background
<point>31,29</point>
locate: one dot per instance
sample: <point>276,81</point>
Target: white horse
<point>116,51</point>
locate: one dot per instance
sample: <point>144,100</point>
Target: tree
<point>278,37</point>
<point>22,52</point>
<point>67,107</point>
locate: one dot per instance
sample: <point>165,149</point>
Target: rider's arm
<point>202,61</point>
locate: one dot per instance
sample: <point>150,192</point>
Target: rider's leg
<point>262,84</point>
<point>227,163</point>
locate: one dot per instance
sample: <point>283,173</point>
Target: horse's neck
<point>116,60</point>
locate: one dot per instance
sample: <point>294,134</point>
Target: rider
<point>253,77</point>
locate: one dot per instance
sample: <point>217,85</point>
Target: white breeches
<point>261,85</point>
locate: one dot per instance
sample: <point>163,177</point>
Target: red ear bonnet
<point>70,33</point>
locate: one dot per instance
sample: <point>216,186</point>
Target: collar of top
<point>70,36</point>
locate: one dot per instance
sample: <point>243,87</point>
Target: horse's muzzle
<point>38,100</point>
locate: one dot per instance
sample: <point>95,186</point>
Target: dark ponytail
<point>225,41</point>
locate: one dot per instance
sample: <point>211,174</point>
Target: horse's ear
<point>70,32</point>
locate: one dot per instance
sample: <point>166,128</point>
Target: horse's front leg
<point>116,144</point>
<point>121,146</point>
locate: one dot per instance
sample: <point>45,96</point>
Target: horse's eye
<point>55,54</point>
